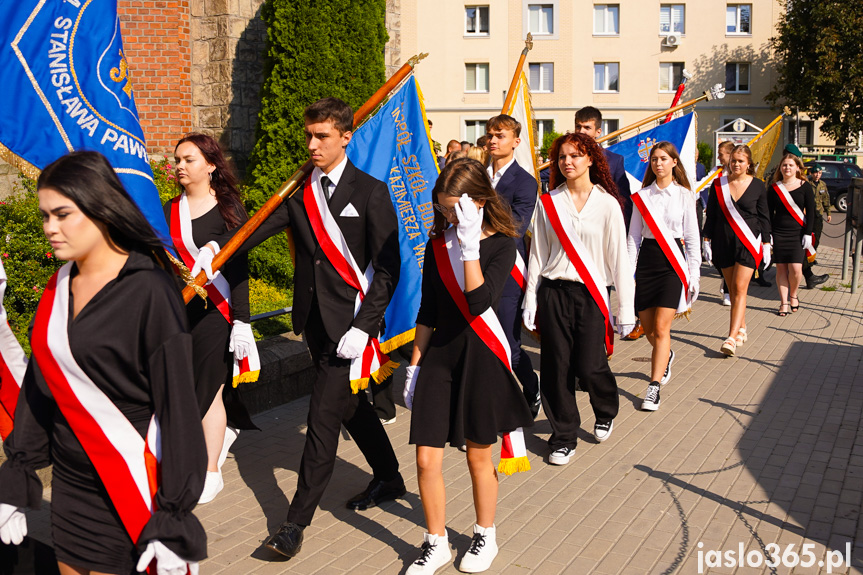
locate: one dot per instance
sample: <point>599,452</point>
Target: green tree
<point>819,63</point>
<point>547,140</point>
<point>315,48</point>
<point>705,154</point>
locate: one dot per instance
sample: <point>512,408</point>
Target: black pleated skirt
<point>656,282</point>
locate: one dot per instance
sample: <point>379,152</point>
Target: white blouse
<point>601,228</point>
<point>676,205</point>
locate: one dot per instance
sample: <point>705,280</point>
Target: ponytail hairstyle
<point>91,183</point>
<point>224,180</point>
<point>678,174</point>
<point>468,176</point>
<point>599,172</point>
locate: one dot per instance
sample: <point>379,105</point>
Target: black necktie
<point>325,184</point>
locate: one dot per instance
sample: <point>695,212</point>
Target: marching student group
<point>131,395</point>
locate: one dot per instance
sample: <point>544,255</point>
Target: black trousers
<point>819,227</point>
<point>509,314</point>
<point>332,404</point>
<point>573,345</point>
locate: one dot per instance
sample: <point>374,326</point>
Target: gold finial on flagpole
<point>528,42</point>
<point>416,59</point>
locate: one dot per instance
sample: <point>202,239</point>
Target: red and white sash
<point>447,252</point>
<point>218,290</point>
<point>662,234</point>
<point>372,363</point>
<point>126,463</point>
<point>794,210</point>
<point>519,272</point>
<point>13,364</point>
<point>736,221</point>
<point>555,204</point>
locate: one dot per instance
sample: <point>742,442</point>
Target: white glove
<point>2,282</point>
<point>167,562</point>
<point>412,372</point>
<point>528,317</point>
<point>352,344</point>
<point>694,289</point>
<point>469,229</point>
<point>807,242</point>
<point>766,258</point>
<point>707,251</point>
<point>13,524</point>
<point>624,329</point>
<point>242,339</point>
<point>204,261</point>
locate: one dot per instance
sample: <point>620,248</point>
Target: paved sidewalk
<point>759,449</point>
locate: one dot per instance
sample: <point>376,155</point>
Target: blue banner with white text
<point>66,85</point>
<point>395,147</point>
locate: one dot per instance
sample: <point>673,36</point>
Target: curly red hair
<point>599,172</point>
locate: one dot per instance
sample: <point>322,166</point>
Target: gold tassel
<point>513,465</point>
<point>187,277</point>
<point>248,377</point>
<point>378,376</point>
<point>687,314</point>
<point>397,341</point>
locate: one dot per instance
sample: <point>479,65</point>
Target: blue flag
<point>66,86</point>
<point>395,147</point>
<point>636,150</point>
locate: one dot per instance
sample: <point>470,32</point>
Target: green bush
<point>705,154</point>
<point>547,140</point>
<point>27,257</point>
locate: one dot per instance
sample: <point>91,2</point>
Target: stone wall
<point>392,51</point>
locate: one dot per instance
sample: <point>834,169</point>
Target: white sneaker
<point>482,551</point>
<point>726,300</point>
<point>212,485</point>
<point>231,435</point>
<point>434,554</point>
<point>602,431</point>
<point>651,398</point>
<point>561,456</point>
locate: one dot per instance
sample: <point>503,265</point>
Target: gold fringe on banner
<point>187,277</point>
<point>26,167</point>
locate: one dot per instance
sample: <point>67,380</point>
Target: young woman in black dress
<point>722,244</point>
<point>790,238</point>
<point>464,394</point>
<point>658,287</point>
<point>209,189</point>
<point>112,361</point>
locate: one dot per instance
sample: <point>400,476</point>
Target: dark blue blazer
<point>618,174</point>
<point>519,189</point>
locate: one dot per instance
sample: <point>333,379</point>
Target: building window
<point>473,130</point>
<point>670,75</point>
<point>610,125</point>
<point>541,77</point>
<point>606,19</point>
<point>476,20</point>
<point>540,18</point>
<point>738,19</point>
<point>542,127</point>
<point>606,77</point>
<point>476,77</point>
<point>737,77</point>
<point>671,19</point>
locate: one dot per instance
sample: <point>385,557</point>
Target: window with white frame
<point>541,77</point>
<point>543,127</point>
<point>606,19</point>
<point>476,20</point>
<point>476,77</point>
<point>540,19</point>
<point>473,130</point>
<point>672,19</point>
<point>670,75</point>
<point>737,77</point>
<point>610,125</point>
<point>738,19</point>
<point>606,77</point>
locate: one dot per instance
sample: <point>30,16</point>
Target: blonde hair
<point>777,175</point>
<point>478,154</point>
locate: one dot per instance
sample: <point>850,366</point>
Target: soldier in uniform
<point>822,203</point>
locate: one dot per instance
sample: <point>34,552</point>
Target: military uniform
<point>822,208</point>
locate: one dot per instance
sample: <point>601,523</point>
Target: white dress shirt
<point>601,228</point>
<point>496,176</point>
<point>335,175</point>
<point>676,206</point>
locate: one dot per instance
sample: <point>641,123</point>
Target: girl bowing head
<point>460,384</point>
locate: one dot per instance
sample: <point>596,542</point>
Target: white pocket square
<point>349,212</point>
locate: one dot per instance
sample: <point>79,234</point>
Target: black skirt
<point>788,246</point>
<point>656,282</point>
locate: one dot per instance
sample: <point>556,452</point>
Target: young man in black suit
<point>323,310</point>
<point>519,189</point>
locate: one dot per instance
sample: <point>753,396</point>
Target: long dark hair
<point>468,176</point>
<point>224,181</point>
<point>678,174</point>
<point>599,172</point>
<point>88,179</point>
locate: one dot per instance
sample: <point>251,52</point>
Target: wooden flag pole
<point>510,94</point>
<point>717,92</point>
<point>292,184</point>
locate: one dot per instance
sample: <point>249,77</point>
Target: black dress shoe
<point>377,492</point>
<point>815,280</point>
<point>288,540</point>
<point>763,282</point>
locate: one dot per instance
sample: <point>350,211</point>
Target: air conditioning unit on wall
<point>672,40</point>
